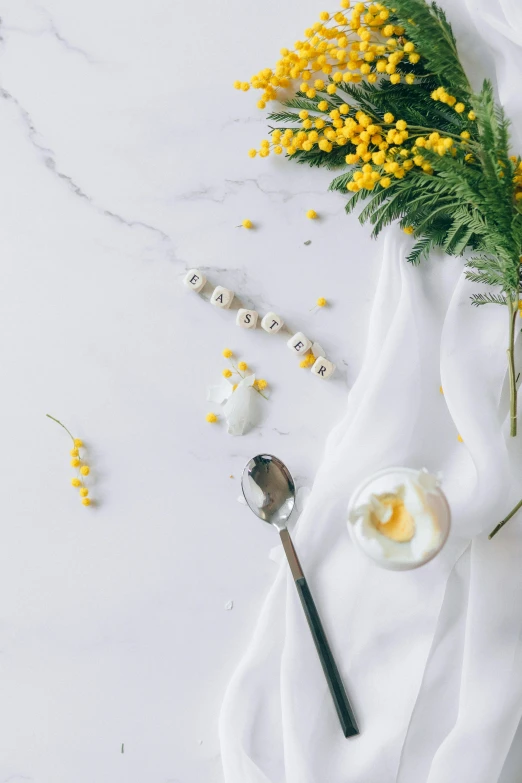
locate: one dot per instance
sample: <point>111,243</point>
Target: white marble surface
<point>123,161</point>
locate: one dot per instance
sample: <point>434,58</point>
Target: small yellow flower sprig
<point>344,47</point>
<point>259,385</point>
<point>320,303</point>
<point>82,469</point>
<point>307,361</point>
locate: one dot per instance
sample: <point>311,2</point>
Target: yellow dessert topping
<point>401,526</point>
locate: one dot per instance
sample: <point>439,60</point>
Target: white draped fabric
<point>432,658</point>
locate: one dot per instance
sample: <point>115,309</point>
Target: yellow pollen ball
<point>303,363</point>
<point>227,353</point>
<point>226,373</point>
<point>261,384</point>
<point>408,230</point>
<point>242,366</point>
<point>247,223</point>
<point>460,439</point>
<point>321,302</point>
<point>86,501</point>
<point>78,443</point>
<point>76,482</point>
<point>311,214</point>
<point>75,462</point>
<point>84,492</point>
<point>85,470</point>
<point>74,452</point>
<point>211,418</point>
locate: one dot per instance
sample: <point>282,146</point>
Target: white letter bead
<point>246,318</point>
<point>222,297</point>
<point>195,280</point>
<point>272,323</point>
<point>323,367</point>
<point>299,343</point>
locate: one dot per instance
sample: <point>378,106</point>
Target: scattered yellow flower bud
<point>459,108</point>
<point>321,302</point>
<point>227,353</point>
<point>86,501</point>
<point>401,125</point>
<point>408,230</point>
<point>252,153</point>
<point>441,390</point>
<point>75,462</point>
<point>76,482</point>
<point>84,492</point>
<point>460,439</point>
<point>74,452</point>
<point>85,470</point>
<point>78,443</point>
<point>234,387</point>
<point>227,373</point>
<point>472,115</point>
<point>247,224</point>
<point>211,418</point>
<point>242,366</point>
<point>303,363</point>
<point>261,384</point>
<point>311,214</point>
<point>388,118</point>
<point>409,47</point>
<point>310,358</point>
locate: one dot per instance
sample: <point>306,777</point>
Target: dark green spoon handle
<point>331,672</point>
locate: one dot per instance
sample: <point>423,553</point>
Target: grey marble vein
<point>50,162</point>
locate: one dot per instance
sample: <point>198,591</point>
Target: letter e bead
<point>271,323</point>
<point>195,280</point>
<point>247,319</point>
<point>323,368</point>
<point>222,297</point>
<point>299,343</point>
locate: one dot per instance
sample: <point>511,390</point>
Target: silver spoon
<point>269,491</point>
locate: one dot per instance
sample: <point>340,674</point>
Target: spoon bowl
<point>269,489</point>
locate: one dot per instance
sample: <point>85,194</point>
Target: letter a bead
<point>299,343</point>
<point>323,368</point>
<point>222,297</point>
<point>247,319</point>
<point>272,323</point>
<point>195,280</point>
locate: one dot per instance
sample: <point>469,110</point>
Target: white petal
<point>220,392</point>
<point>301,498</point>
<point>237,410</point>
<point>318,351</point>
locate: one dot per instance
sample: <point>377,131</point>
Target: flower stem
<point>506,519</point>
<point>61,425</point>
<point>512,307</point>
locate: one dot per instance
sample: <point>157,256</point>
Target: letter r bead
<point>323,368</point>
